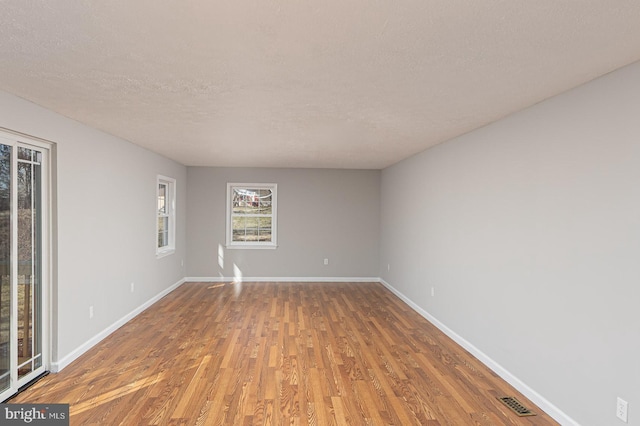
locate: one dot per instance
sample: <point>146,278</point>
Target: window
<point>251,215</point>
<point>166,216</point>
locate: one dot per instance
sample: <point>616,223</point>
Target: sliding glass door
<point>23,253</point>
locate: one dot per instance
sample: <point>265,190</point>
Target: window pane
<point>25,154</point>
<point>25,218</point>
<point>241,200</point>
<point>246,201</point>
<point>264,229</point>
<point>162,198</point>
<point>251,229</point>
<point>163,231</point>
<point>239,228</point>
<point>265,197</point>
<point>237,201</point>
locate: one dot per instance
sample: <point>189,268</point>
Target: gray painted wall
<point>106,207</point>
<point>322,214</point>
<point>529,232</point>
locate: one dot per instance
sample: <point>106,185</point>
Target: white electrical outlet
<point>621,409</point>
<point>433,291</point>
<point>388,267</point>
<point>132,287</point>
<point>90,312</point>
<point>326,261</point>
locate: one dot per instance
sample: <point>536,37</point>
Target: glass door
<point>22,289</point>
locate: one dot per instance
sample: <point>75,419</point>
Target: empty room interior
<point>321,213</point>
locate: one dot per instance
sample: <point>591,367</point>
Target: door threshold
<point>26,386</point>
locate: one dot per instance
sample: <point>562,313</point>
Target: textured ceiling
<point>345,84</point>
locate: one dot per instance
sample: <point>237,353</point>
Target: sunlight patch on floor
<point>116,393</point>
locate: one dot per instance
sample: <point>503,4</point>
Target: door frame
<point>15,140</point>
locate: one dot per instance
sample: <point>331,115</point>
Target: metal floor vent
<point>516,406</point>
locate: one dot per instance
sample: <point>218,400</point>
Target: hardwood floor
<point>280,353</point>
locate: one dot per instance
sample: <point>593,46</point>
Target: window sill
<point>250,247</point>
<point>164,253</point>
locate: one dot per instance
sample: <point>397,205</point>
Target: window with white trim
<point>166,216</point>
<point>251,215</point>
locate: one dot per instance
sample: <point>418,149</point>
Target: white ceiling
<point>275,83</point>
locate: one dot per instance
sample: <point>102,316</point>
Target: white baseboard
<point>522,387</point>
<point>62,363</point>
<point>283,279</point>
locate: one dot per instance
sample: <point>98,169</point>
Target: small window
<point>251,215</point>
<point>166,216</point>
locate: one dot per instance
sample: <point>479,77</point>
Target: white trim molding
<point>522,387</point>
<point>283,279</point>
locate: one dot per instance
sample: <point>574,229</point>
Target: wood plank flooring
<point>280,353</point>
